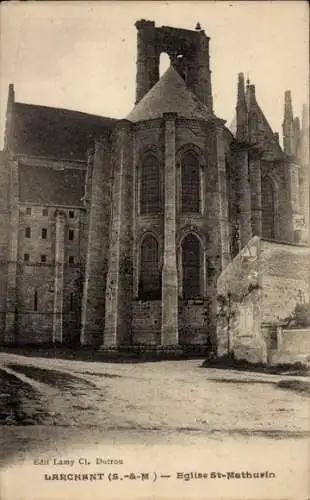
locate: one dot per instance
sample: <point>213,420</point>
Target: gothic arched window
<point>150,194</point>
<point>191,264</point>
<point>268,208</point>
<point>150,277</point>
<point>190,181</point>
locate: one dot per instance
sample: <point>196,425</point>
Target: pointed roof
<point>169,95</point>
<point>54,132</point>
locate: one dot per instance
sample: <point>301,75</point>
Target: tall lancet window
<point>150,277</point>
<point>190,181</point>
<point>268,209</point>
<point>150,192</point>
<point>191,267</point>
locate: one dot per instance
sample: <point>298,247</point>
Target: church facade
<point>125,232</point>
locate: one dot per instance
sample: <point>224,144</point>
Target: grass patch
<point>98,374</point>
<point>20,404</point>
<point>243,381</point>
<point>55,378</point>
<point>229,363</point>
<point>299,386</point>
<point>120,354</point>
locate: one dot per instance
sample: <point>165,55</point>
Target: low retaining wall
<point>293,345</point>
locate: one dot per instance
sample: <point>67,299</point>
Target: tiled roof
<point>169,95</point>
<point>53,132</point>
<point>46,185</point>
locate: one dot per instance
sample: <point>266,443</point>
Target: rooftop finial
<point>198,26</point>
<point>11,94</point>
<point>288,108</point>
<point>305,116</point>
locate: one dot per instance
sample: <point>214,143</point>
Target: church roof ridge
<point>169,95</point>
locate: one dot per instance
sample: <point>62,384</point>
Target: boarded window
<point>27,232</point>
<point>190,178</point>
<point>150,186</point>
<point>191,262</point>
<point>150,278</point>
<point>268,209</point>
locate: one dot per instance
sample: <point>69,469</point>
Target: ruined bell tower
<point>189,55</point>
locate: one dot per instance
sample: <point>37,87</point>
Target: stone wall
<point>277,274</point>
<point>193,323</point>
<point>32,325</point>
<point>146,322</point>
<point>285,270</point>
<point>99,212</point>
<point>293,345</point>
<point>34,328</point>
<point>240,285</point>
<point>4,235</point>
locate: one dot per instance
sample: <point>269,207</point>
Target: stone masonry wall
<point>99,210</point>
<point>193,323</point>
<point>4,235</point>
<point>241,279</point>
<point>285,271</point>
<point>34,326</point>
<point>294,345</point>
<point>146,322</point>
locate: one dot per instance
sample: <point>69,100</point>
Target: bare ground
<point>52,407</point>
<point>168,398</point>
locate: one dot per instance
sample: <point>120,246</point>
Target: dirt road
<point>63,405</point>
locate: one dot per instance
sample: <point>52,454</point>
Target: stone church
<point>125,232</point>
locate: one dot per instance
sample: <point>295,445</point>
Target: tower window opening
<point>164,63</point>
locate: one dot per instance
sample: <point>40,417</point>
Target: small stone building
<point>121,232</point>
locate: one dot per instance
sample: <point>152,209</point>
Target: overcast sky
<point>82,55</point>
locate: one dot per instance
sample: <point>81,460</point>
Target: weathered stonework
<point>97,211</point>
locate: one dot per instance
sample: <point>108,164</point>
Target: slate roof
<point>46,185</point>
<point>53,132</point>
<point>169,95</point>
